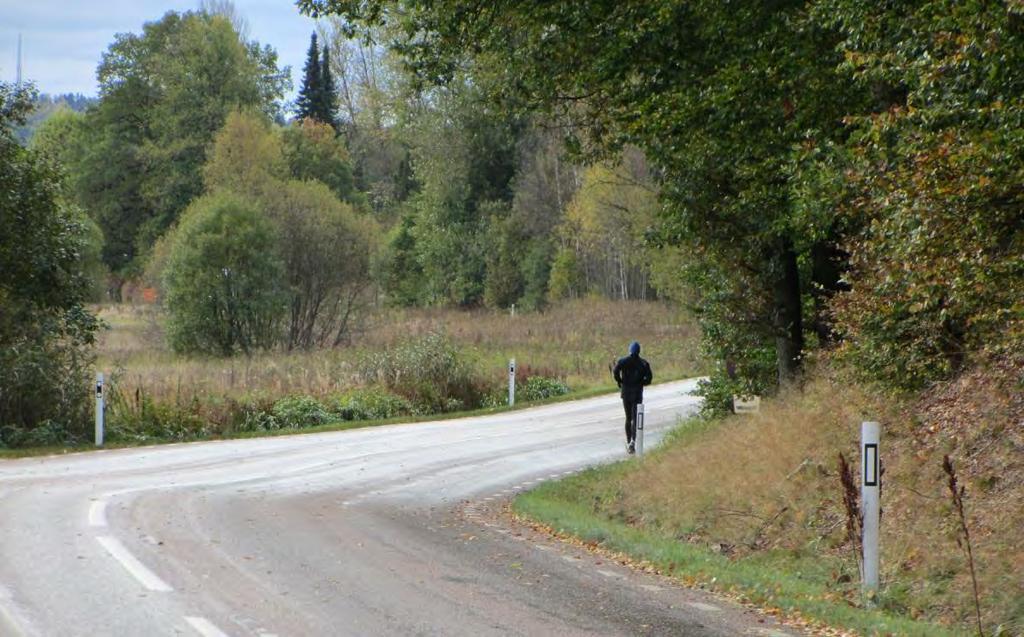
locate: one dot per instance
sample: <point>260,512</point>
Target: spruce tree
<point>328,103</point>
<point>308,102</point>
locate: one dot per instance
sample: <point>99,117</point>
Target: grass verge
<point>588,392</point>
<point>792,584</point>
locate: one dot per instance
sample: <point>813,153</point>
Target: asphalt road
<point>391,530</point>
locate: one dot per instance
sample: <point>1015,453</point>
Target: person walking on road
<point>632,374</point>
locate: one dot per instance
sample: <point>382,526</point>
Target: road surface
<point>386,530</point>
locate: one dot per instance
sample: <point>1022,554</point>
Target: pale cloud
<point>63,40</point>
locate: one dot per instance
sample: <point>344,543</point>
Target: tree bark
<point>788,318</point>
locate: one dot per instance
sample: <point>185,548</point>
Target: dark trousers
<point>629,404</point>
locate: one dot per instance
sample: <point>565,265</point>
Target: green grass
<point>798,584</point>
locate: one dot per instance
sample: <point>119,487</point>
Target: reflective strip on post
<point>871,480</point>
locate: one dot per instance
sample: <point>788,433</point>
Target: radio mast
<point>17,77</point>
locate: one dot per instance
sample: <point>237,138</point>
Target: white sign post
<point>871,479</point>
<point>640,412</point>
<point>512,383</point>
<point>99,409</point>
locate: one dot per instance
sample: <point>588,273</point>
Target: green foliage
<point>314,151</point>
<point>536,272</point>
<point>138,418</point>
<point>567,278</point>
<point>540,388</point>
<point>317,99</point>
<point>429,372</point>
<point>296,412</point>
<point>224,279</point>
<point>464,159</point>
<point>307,102</point>
<point>46,333</point>
<point>606,225</point>
<point>934,182</point>
<point>402,274</point>
<point>325,246</point>
<point>372,404</point>
<point>503,283</point>
<point>718,97</point>
<point>135,163</point>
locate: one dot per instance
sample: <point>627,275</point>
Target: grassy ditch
<point>774,532</point>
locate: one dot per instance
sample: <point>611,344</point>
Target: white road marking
<point>98,513</point>
<point>608,573</point>
<point>137,569</point>
<point>204,627</point>
<point>650,587</point>
<point>704,607</point>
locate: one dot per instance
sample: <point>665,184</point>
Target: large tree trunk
<point>787,317</point>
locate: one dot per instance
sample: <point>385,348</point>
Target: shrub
<point>224,279</point>
<point>428,371</point>
<point>256,418</point>
<point>540,387</point>
<point>300,411</point>
<point>372,404</point>
<point>138,418</point>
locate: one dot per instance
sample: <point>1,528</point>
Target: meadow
<point>434,360</point>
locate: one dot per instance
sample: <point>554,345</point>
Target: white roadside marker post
<point>640,412</point>
<point>512,383</point>
<point>870,433</point>
<point>99,409</point>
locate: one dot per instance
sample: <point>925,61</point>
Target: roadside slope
<point>753,506</point>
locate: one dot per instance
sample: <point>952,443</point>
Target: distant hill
<point>47,105</point>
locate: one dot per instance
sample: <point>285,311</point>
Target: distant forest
<point>45,106</point>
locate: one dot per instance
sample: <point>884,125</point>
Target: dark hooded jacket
<point>632,373</point>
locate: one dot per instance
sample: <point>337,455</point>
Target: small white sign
<point>746,404</point>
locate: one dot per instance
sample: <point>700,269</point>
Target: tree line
<point>256,230</point>
<point>833,174</point>
<point>806,176</point>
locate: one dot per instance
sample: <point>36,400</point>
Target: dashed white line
<point>137,569</point>
<point>204,627</point>
<point>98,513</point>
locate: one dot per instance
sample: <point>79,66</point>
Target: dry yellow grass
<point>769,482</point>
<point>739,485</point>
<point>575,341</point>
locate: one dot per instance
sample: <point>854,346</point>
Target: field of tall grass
<point>416,361</point>
<point>575,341</point>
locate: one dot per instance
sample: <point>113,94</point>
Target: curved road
<point>390,530</point>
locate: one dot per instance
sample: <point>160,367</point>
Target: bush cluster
<point>429,372</point>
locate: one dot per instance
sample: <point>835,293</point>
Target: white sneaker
<point>631,448</point>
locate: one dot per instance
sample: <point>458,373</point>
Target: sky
<point>63,40</point>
